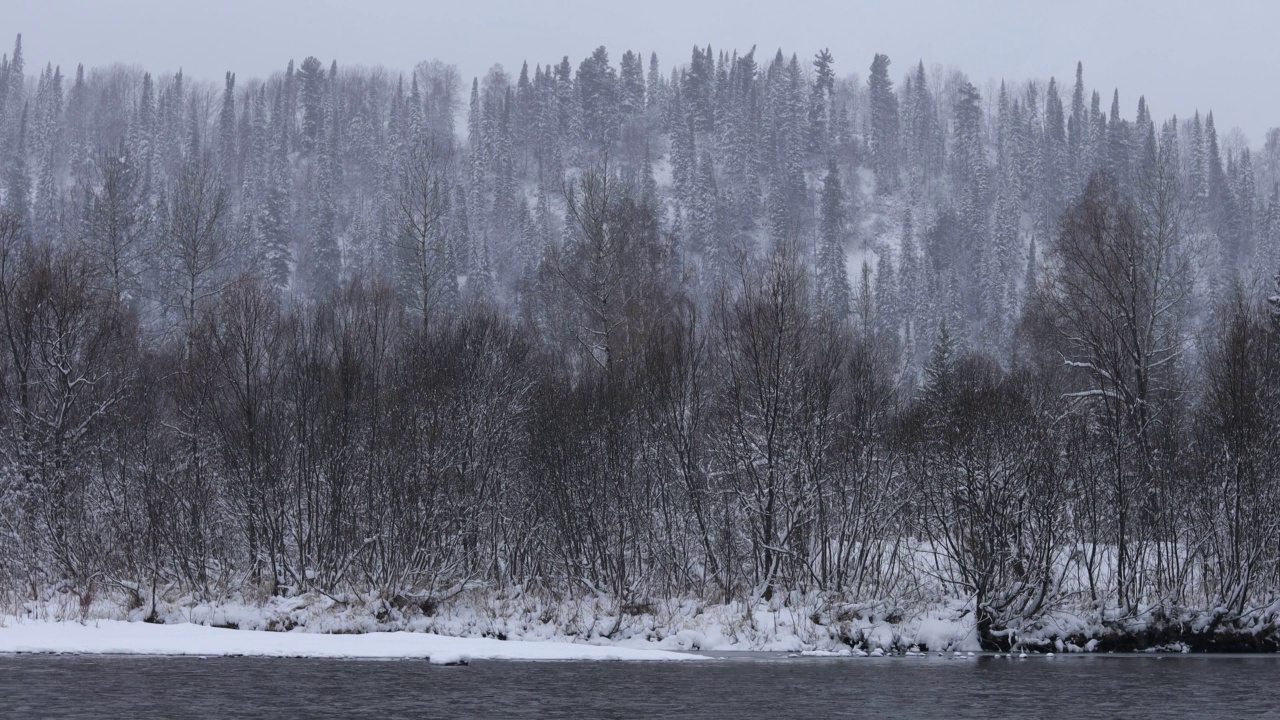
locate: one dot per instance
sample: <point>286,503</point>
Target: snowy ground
<point>136,638</point>
<point>524,624</point>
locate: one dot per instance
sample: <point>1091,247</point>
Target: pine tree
<point>920,136</point>
<point>1222,216</point>
<point>17,185</point>
<point>461,250</point>
<point>599,94</point>
<point>882,129</point>
<point>141,136</point>
<point>1053,158</point>
<point>1197,170</point>
<point>1267,248</point>
<point>273,221</point>
<point>820,96</point>
<point>48,145</point>
<point>227,130</point>
<point>15,101</point>
<point>699,91</point>
<point>704,211</point>
<point>684,159</point>
<point>631,85</point>
<point>939,372</point>
<point>311,79</point>
<point>969,164</point>
<point>886,299</point>
<point>649,186</point>
<point>1118,144</point>
<point>1245,194</point>
<point>833,275</point>
<point>1030,283</point>
<point>655,91</point>
<point>80,128</point>
<point>326,260</point>
<point>910,278</point>
<point>1078,130</point>
<point>864,306</point>
<point>4,94</point>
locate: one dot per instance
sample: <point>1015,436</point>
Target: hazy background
<point>1219,56</point>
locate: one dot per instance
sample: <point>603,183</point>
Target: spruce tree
<point>227,129</point>
<point>17,183</point>
<point>655,90</point>
<point>939,372</point>
<point>820,96</point>
<point>311,79</point>
<point>1078,130</point>
<point>276,210</point>
<point>882,127</point>
<point>887,311</point>
<point>631,85</point>
<point>833,275</point>
<point>704,210</point>
<point>1118,144</point>
<point>599,94</point>
<point>1053,158</point>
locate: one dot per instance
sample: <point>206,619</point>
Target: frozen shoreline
<point>116,637</point>
<point>533,626</point>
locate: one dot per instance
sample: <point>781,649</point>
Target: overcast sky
<point>1221,55</point>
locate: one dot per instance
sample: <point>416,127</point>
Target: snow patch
<point>117,637</point>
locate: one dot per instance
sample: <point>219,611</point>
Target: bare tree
<point>117,219</point>
<point>1121,288</point>
<point>604,266</point>
<point>1239,454</point>
<point>421,241</point>
<point>193,247</point>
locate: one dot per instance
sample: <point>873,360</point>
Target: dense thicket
<point>299,334</point>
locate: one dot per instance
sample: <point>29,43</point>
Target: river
<point>1143,686</point>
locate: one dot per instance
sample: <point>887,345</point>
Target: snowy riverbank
<point>117,637</point>
<point>529,625</point>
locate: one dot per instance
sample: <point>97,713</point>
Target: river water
<point>765,687</point>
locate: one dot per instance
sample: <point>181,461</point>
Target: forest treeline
<point>303,334</point>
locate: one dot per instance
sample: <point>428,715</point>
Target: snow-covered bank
<point>136,638</point>
<point>593,628</point>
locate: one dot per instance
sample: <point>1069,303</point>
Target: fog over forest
<point>741,328</point>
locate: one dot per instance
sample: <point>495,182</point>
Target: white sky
<point>1221,55</point>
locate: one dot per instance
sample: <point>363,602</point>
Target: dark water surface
<point>1063,687</point>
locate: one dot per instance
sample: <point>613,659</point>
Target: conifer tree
<point>227,130</point>
<point>276,211</point>
<point>923,137</point>
<point>17,183</point>
<point>820,96</point>
<point>326,261</point>
<point>311,81</point>
<point>886,299</point>
<point>631,85</point>
<point>655,90</point>
<point>1030,282</point>
<point>833,275</point>
<point>15,101</point>
<point>699,91</point>
<point>1197,170</point>
<point>1053,158</point>
<point>48,146</point>
<point>939,371</point>
<point>882,127</point>
<point>1118,144</point>
<point>599,94</point>
<point>1078,130</point>
<point>704,211</point>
